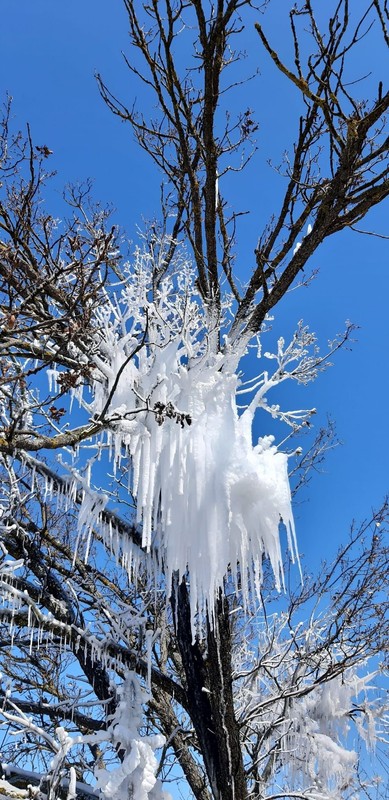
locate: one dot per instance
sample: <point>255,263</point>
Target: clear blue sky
<point>49,52</point>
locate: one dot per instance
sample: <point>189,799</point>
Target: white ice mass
<point>207,498</point>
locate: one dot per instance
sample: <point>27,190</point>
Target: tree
<point>141,622</point>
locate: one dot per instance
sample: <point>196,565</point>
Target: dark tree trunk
<point>209,693</point>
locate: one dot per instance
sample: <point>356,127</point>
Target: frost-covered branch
<point>135,776</point>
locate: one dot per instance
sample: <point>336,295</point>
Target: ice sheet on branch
<point>206,496</point>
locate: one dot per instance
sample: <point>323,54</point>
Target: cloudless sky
<point>49,52</point>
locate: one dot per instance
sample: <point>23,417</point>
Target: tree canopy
<point>154,627</point>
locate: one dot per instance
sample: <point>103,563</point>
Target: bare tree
<point>336,169</point>
<point>252,691</point>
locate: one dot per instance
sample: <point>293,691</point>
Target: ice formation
<point>284,699</point>
<point>208,499</point>
<point>136,774</point>
<point>135,777</point>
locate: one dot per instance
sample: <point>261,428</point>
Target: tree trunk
<point>209,692</point>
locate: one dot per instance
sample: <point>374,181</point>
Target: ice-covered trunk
<point>208,671</point>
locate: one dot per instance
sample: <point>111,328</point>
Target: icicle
<point>149,646</point>
<point>72,790</point>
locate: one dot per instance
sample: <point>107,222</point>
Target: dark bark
<point>180,741</point>
<point>209,694</point>
<point>219,664</point>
